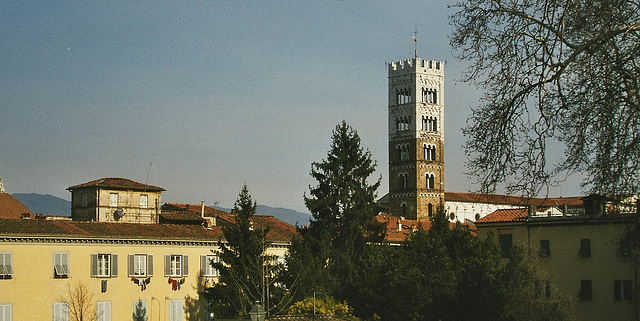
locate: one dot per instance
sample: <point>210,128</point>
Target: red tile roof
<point>505,215</point>
<point>11,208</point>
<point>278,230</point>
<point>395,234</point>
<point>195,208</point>
<point>117,183</point>
<point>55,228</point>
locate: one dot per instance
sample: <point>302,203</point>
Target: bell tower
<point>416,138</point>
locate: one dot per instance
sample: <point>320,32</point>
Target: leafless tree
<point>561,72</point>
<point>80,303</point>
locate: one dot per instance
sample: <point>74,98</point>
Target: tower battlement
<point>416,65</point>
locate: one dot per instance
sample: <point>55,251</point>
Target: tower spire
<point>415,41</point>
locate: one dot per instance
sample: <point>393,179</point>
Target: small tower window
<point>429,152</point>
<point>430,180</point>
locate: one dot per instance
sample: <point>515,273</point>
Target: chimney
<point>202,208</point>
<point>399,226</point>
<point>532,210</point>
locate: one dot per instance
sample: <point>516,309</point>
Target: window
<point>430,180</point>
<point>176,265</point>
<point>586,293</point>
<point>143,200</point>
<point>140,310</point>
<point>429,152</point>
<point>206,265</point>
<point>506,243</point>
<point>5,312</point>
<point>545,248</point>
<point>403,180</point>
<point>104,265</point>
<point>60,311</point>
<point>585,248</point>
<point>6,266</point>
<point>176,312</point>
<point>622,290</point>
<point>403,209</point>
<point>103,311</point>
<point>140,265</point>
<point>113,199</point>
<point>85,200</point>
<point>60,265</point>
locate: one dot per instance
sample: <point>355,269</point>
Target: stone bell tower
<point>416,138</point>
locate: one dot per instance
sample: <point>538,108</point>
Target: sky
<point>202,97</point>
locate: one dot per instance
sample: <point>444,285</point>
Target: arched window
<point>430,209</point>
<point>403,180</point>
<point>403,209</point>
<point>430,182</point>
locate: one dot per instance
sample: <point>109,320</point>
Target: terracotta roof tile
<point>48,228</point>
<point>117,183</point>
<point>505,215</point>
<point>12,208</point>
<point>395,234</point>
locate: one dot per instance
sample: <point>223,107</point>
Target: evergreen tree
<point>247,272</point>
<point>343,208</point>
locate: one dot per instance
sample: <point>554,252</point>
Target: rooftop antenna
<point>415,41</point>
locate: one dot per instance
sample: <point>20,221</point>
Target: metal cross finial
<point>415,40</point>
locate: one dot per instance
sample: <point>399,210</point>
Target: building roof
<point>12,208</point>
<point>118,184</point>
<point>398,228</point>
<point>505,215</point>
<point>195,208</point>
<point>84,229</point>
<point>278,230</point>
<point>512,200</point>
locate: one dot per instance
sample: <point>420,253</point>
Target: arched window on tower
<point>430,180</point>
<point>403,209</point>
<point>429,152</point>
<point>403,180</point>
<point>430,209</point>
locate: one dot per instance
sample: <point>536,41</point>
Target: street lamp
<point>257,313</point>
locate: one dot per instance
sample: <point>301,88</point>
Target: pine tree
<point>248,273</point>
<point>343,208</point>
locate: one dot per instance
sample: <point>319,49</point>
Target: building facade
<point>580,253</point>
<point>416,138</point>
<point>115,200</point>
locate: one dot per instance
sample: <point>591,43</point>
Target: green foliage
<point>247,272</point>
<point>321,305</point>
<point>139,311</point>
<point>343,208</point>
<point>444,268</point>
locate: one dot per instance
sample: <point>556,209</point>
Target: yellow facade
<point>33,290</point>
<point>577,252</point>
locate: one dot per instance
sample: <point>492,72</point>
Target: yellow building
<point>131,271</point>
<point>580,252</point>
<point>115,200</point>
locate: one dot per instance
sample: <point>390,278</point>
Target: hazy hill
<point>45,204</point>
<point>51,205</point>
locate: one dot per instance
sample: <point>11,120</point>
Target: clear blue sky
<point>213,94</point>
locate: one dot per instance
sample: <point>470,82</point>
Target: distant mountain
<point>290,216</point>
<point>51,205</point>
<point>45,204</point>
